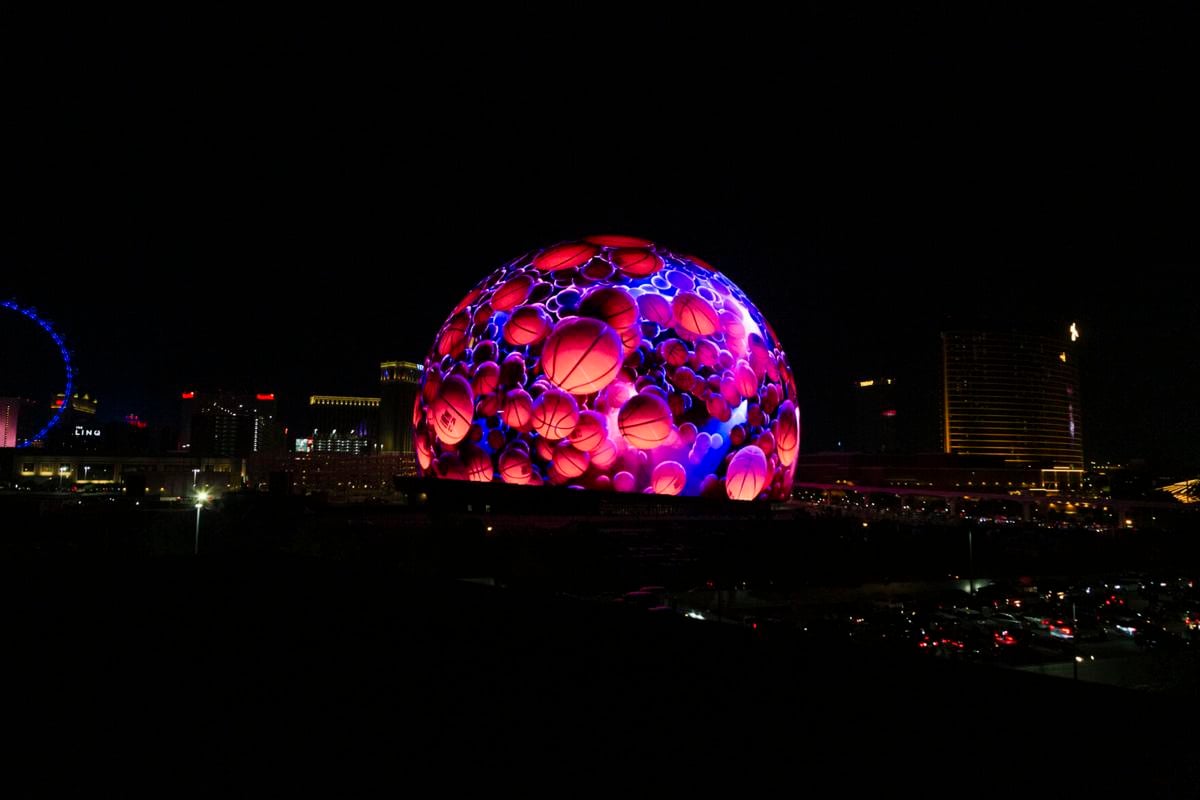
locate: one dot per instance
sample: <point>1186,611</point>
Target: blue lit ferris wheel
<point>67,367</point>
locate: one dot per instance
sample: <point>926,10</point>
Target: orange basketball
<point>582,355</point>
<point>486,378</point>
<point>612,304</point>
<point>555,414</point>
<point>747,474</point>
<point>605,454</point>
<point>570,461</point>
<point>527,325</point>
<point>787,433</point>
<point>565,256</point>
<point>512,373</point>
<point>718,407</point>
<point>488,405</point>
<point>706,353</point>
<point>514,292</point>
<point>747,381</point>
<point>515,466</point>
<point>735,332</point>
<point>770,398</point>
<point>683,379</point>
<point>656,309</point>
<point>433,382</point>
<point>645,421</point>
<point>611,240</point>
<point>631,337</point>
<point>636,262</point>
<point>478,464</point>
<point>596,270</point>
<point>674,352</point>
<point>518,410</point>
<point>424,451</point>
<point>729,390</point>
<point>591,431</point>
<point>694,315</point>
<point>669,477</point>
<point>453,409</point>
<point>454,336</point>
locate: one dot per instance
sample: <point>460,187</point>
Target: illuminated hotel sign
<point>82,431</point>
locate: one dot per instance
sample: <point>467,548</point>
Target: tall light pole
<point>62,474</point>
<point>195,472</point>
<point>201,499</point>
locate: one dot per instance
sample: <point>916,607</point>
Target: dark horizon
<point>281,213</point>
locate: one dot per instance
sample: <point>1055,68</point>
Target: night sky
<point>278,205</point>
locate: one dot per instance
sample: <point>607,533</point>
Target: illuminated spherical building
<point>610,364</point>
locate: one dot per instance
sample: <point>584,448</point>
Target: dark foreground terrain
<point>257,673</point>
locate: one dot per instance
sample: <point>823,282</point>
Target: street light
<point>201,499</point>
<point>62,474</point>
<point>195,472</point>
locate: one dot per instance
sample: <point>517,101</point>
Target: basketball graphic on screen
<point>478,464</point>
<point>512,293</point>
<point>637,262</point>
<point>655,308</point>
<point>518,410</point>
<point>613,305</point>
<point>694,314</point>
<point>590,432</point>
<point>618,241</point>
<point>570,461</point>
<point>528,325</point>
<point>454,335</point>
<point>565,256</point>
<point>515,466</point>
<point>609,363</point>
<point>486,378</point>
<point>582,355</point>
<point>555,414</point>
<point>787,434</point>
<point>747,474</point>
<point>645,421</point>
<point>669,477</point>
<point>453,410</point>
<point>605,454</point>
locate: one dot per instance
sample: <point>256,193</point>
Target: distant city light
<point>1074,332</point>
<point>865,384</point>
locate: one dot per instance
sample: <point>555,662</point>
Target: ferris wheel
<point>68,369</point>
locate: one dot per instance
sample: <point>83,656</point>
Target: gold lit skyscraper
<point>1012,395</point>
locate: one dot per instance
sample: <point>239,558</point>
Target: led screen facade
<point>610,364</point>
